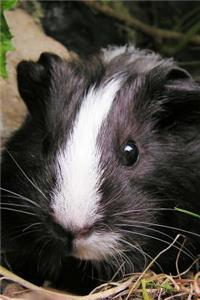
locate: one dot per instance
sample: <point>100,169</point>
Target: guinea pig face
<point>104,153</point>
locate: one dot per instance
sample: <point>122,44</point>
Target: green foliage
<point>167,286</point>
<point>5,35</point>
<point>145,294</point>
<point>8,4</point>
<point>187,212</point>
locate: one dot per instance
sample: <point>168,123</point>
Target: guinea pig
<point>92,180</point>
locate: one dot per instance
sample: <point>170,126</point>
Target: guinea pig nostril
<point>83,232</point>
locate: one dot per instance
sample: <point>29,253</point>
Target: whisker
<point>25,233</point>
<point>19,196</point>
<point>112,266</point>
<point>138,249</point>
<point>157,239</point>
<point>164,226</point>
<point>34,224</point>
<point>17,210</point>
<point>15,204</point>
<point>124,259</point>
<point>33,184</point>
<point>162,233</point>
<point>17,229</point>
<point>129,262</point>
<point>40,253</point>
<point>154,201</point>
<point>119,266</point>
<point>143,209</point>
<point>144,254</point>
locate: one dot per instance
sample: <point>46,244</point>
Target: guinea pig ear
<point>176,73</point>
<point>30,76</point>
<point>180,103</point>
<point>34,79</point>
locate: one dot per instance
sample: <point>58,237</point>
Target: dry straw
<point>146,285</point>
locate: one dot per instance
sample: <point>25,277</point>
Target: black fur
<point>159,109</point>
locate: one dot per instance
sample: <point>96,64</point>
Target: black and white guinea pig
<point>91,180</point>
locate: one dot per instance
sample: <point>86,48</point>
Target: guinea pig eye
<point>130,153</point>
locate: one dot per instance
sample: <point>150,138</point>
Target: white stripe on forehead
<point>76,200</point>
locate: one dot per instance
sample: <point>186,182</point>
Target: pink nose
<point>83,232</point>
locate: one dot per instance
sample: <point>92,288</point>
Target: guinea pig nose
<point>83,232</point>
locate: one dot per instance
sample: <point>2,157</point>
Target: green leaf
<point>167,287</point>
<point>187,212</point>
<point>145,294</point>
<point>8,4</point>
<point>5,36</point>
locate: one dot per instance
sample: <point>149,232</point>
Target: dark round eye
<point>130,154</point>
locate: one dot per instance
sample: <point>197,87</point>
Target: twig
<point>177,295</point>
<point>131,21</point>
<point>150,264</point>
<point>196,284</point>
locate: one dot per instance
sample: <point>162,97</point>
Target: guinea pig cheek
<point>97,246</point>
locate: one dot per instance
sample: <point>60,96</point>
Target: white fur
<point>145,59</point>
<point>97,246</point>
<point>76,200</point>
<point>114,51</point>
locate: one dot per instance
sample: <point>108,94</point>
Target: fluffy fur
<point>72,212</point>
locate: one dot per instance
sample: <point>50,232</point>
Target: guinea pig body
<point>91,179</point>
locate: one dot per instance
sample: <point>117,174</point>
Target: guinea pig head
<point>106,153</point>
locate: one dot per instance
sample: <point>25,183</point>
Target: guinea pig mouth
<point>98,246</point>
<point>87,243</point>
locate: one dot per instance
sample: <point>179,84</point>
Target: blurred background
<point>171,28</point>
